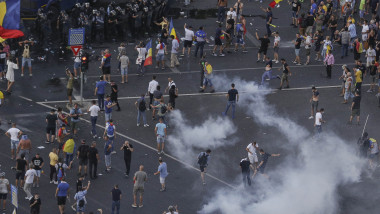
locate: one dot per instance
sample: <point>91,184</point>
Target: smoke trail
<point>308,180</point>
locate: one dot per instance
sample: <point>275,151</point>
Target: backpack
<point>163,109</point>
<point>110,130</point>
<point>61,171</point>
<point>202,161</point>
<point>142,106</point>
<point>26,53</point>
<point>81,202</point>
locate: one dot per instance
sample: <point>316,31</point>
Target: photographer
<point>26,56</point>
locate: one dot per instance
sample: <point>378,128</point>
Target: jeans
<point>246,177</point>
<point>269,32</point>
<point>267,74</point>
<point>348,94</point>
<point>101,101</point>
<point>115,204</point>
<point>150,100</point>
<point>69,158</point>
<point>92,168</point>
<point>139,114</point>
<point>344,50</point>
<point>318,130</point>
<point>93,125</point>
<point>107,159</point>
<point>229,103</point>
<point>108,116</point>
<point>199,45</point>
<point>221,13</point>
<point>351,42</point>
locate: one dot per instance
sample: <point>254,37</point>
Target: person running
<point>51,121</point>
<point>232,99</point>
<point>318,121</point>
<point>203,159</point>
<point>138,188</point>
<point>285,74</point>
<point>94,113</point>
<point>263,46</point>
<point>355,108</point>
<point>38,163</point>
<point>141,110</point>
<point>14,134</point>
<point>314,101</point>
<point>61,193</point>
<point>128,149</point>
<point>264,160</point>
<point>116,198</point>
<point>245,165</point>
<point>163,172</point>
<point>161,134</point>
<point>4,189</point>
<point>189,36</point>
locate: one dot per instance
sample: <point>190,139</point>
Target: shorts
<point>25,152</point>
<point>14,144</point>
<point>297,51</point>
<point>26,60</point>
<point>317,48</point>
<point>50,130</point>
<point>275,49</point>
<point>160,139</point>
<point>124,71</point>
<point>263,50</point>
<point>106,70</point>
<point>3,196</point>
<point>355,112</point>
<point>253,158</point>
<point>61,200</point>
<point>307,52</point>
<point>187,44</point>
<point>73,125</point>
<point>261,170</point>
<point>284,77</point>
<point>20,175</point>
<point>69,92</point>
<point>207,81</point>
<point>83,161</point>
<point>155,102</point>
<point>138,190</point>
<point>81,209</point>
<point>202,168</point>
<point>240,41</point>
<point>162,180</point>
<point>294,14</point>
<point>373,78</point>
<point>218,41</point>
<point>314,104</point>
<point>2,68</point>
<point>38,172</point>
<point>160,57</point>
<point>77,65</point>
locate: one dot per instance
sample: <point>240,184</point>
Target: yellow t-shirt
<point>358,76</point>
<point>1,97</point>
<point>53,158</point>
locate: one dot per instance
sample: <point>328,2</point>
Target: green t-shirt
<point>362,5</point>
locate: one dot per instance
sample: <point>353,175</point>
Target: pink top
<point>329,60</point>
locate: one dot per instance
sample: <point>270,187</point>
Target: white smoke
<point>306,182</point>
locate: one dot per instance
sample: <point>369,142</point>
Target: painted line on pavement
<point>149,147</point>
<point>30,100</point>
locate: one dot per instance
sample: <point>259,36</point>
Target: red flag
<point>6,34</point>
<point>272,4</point>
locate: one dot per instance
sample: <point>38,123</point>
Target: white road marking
<point>22,97</point>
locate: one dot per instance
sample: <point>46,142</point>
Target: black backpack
<point>202,161</point>
<point>163,109</point>
<point>142,106</point>
<point>81,202</point>
<point>76,113</point>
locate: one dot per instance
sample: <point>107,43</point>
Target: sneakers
<point>244,51</point>
<point>162,190</point>
<point>214,54</point>
<point>28,198</point>
<point>55,182</point>
<point>51,182</point>
<point>276,61</point>
<point>158,153</point>
<point>113,152</point>
<point>311,117</point>
<point>73,208</point>
<point>47,142</point>
<point>138,124</point>
<point>141,205</point>
<point>298,64</point>
<point>134,205</point>
<point>146,125</point>
<point>370,90</point>
<point>221,55</point>
<point>162,152</point>
<point>22,75</point>
<point>295,62</point>
<point>30,75</point>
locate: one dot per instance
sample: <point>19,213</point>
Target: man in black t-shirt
<point>38,163</point>
<point>233,98</point>
<point>116,197</point>
<point>263,46</point>
<point>296,7</point>
<point>35,204</point>
<point>20,170</point>
<point>93,157</point>
<point>244,165</point>
<point>51,120</point>
<point>218,40</point>
<point>285,73</point>
<point>128,149</point>
<point>82,156</point>
<point>355,107</point>
<point>263,162</point>
<point>297,48</point>
<point>114,91</point>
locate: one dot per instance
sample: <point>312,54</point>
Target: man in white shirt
<point>151,88</point>
<point>142,52</point>
<point>14,134</point>
<point>252,155</point>
<point>371,55</point>
<point>232,13</point>
<point>175,48</point>
<point>319,121</point>
<point>94,110</point>
<point>189,35</point>
<point>29,178</point>
<point>365,31</point>
<point>171,82</point>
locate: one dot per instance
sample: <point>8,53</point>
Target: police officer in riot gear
<point>99,26</point>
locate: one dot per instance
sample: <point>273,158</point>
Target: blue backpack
<point>110,130</point>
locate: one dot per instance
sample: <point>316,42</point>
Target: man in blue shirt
<point>160,132</point>
<point>201,40</point>
<point>99,91</point>
<point>108,108</point>
<point>313,7</point>
<point>75,113</point>
<point>203,159</point>
<point>233,97</point>
<point>61,193</point>
<point>163,171</point>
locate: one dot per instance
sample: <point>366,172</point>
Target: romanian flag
<point>148,59</point>
<point>10,19</point>
<point>172,30</point>
<point>273,3</point>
